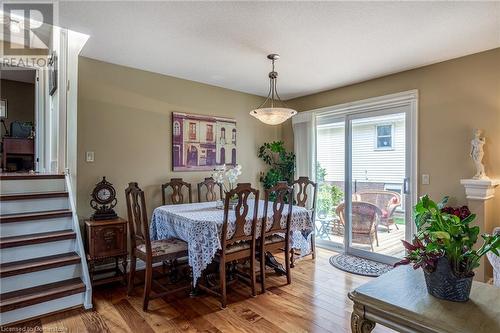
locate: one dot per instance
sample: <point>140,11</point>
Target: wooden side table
<point>107,239</point>
<point>399,300</point>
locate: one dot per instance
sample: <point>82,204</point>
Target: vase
<point>442,283</point>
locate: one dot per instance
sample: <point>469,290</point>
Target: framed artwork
<point>3,108</point>
<point>202,142</point>
<point>52,64</point>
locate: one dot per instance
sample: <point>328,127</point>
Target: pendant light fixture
<point>270,112</point>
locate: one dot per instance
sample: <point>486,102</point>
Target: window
<point>223,133</point>
<point>192,131</point>
<point>384,137</point>
<point>177,128</point>
<point>210,132</point>
<point>234,135</point>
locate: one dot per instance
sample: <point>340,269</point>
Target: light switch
<point>425,179</point>
<point>89,156</point>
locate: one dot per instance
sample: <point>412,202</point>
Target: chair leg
<point>376,236</point>
<point>148,276</point>
<point>131,274</point>
<point>396,225</point>
<point>292,259</point>
<point>263,269</point>
<point>287,265</point>
<point>222,278</point>
<point>253,279</point>
<point>313,245</point>
<point>371,242</point>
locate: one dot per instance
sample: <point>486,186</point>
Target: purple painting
<point>202,142</point>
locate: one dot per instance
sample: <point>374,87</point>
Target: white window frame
<point>391,147</point>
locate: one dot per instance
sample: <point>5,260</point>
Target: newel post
<point>480,195</point>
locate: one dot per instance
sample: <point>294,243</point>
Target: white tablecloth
<point>200,225</point>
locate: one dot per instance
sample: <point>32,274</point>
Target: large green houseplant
<point>281,163</point>
<point>444,247</point>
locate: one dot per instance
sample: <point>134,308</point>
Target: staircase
<point>42,260</point>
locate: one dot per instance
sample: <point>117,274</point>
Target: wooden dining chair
<point>144,248</point>
<point>211,192</point>
<point>177,196</point>
<point>275,236</point>
<point>303,187</point>
<point>236,245</point>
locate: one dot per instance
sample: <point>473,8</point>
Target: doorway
<point>366,172</point>
<point>19,119</point>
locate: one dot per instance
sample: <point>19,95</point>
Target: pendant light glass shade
<point>268,112</point>
<point>273,116</point>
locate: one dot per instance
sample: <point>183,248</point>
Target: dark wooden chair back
<point>242,193</point>
<point>137,217</point>
<point>283,195</point>
<point>302,185</point>
<point>177,196</point>
<point>211,192</point>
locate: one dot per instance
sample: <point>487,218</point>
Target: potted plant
<point>281,163</point>
<point>228,178</point>
<point>443,247</point>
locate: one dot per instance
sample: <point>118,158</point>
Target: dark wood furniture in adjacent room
<point>107,239</point>
<point>18,147</point>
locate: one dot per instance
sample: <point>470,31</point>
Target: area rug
<point>357,265</point>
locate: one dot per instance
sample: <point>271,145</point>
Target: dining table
<point>200,226</point>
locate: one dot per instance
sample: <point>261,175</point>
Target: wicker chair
<point>364,218</point>
<point>386,201</point>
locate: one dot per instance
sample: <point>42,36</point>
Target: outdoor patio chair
<point>364,218</point>
<point>386,201</point>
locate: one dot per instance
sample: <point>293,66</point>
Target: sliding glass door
<point>365,169</point>
<point>377,200</point>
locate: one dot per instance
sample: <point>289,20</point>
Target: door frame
<point>371,105</point>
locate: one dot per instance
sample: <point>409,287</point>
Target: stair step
<point>24,176</point>
<point>38,264</point>
<point>8,218</point>
<point>43,237</point>
<point>26,196</point>
<point>39,294</point>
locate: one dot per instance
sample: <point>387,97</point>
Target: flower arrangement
<point>446,232</point>
<point>227,176</point>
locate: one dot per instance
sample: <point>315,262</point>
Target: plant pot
<point>442,283</point>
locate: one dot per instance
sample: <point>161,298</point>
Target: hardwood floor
<point>316,301</point>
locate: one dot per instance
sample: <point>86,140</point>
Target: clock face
<point>104,194</point>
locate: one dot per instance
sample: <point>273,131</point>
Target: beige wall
<point>20,98</point>
<point>124,116</point>
<point>454,97</point>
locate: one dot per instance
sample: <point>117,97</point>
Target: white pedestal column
<point>480,194</point>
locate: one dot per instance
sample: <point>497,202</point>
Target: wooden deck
<point>389,242</point>
<point>316,301</point>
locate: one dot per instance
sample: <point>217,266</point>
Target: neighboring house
<point>378,148</point>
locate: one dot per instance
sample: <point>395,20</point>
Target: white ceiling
<point>323,45</point>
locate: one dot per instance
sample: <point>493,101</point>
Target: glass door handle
<point>406,185</point>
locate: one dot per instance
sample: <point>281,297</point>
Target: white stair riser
<point>42,308</point>
<point>33,205</point>
<point>32,185</point>
<point>34,279</point>
<point>37,250</point>
<point>35,226</point>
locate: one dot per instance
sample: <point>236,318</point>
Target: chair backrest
<point>177,195</point>
<point>211,194</point>
<point>283,195</point>
<point>381,199</point>
<point>241,193</point>
<point>364,216</point>
<point>137,217</point>
<point>302,188</point>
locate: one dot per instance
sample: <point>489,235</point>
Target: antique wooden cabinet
<point>106,240</point>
